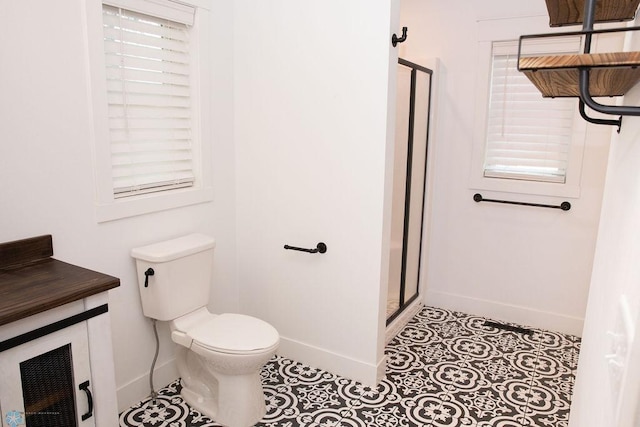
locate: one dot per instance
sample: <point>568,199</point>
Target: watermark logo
<point>14,418</point>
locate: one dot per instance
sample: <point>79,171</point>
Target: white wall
<point>520,264</point>
<point>616,273</point>
<point>311,85</point>
<point>307,86</point>
<point>311,113</point>
<point>47,178</point>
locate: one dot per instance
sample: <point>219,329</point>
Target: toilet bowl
<point>219,356</point>
<point>229,349</point>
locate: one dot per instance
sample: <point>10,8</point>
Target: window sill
<point>538,188</point>
<point>149,203</point>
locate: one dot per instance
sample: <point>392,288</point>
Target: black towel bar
<point>320,248</point>
<point>565,206</point>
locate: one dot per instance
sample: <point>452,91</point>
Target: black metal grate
<point>510,328</point>
<point>47,389</point>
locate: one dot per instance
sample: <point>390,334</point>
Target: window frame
<point>108,207</point>
<point>504,30</point>
<point>504,72</point>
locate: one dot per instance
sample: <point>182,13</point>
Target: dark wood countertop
<point>31,286</point>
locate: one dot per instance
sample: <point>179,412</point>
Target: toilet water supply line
<point>154,395</point>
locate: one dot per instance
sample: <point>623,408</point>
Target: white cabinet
<point>56,357</point>
<point>60,373</point>
<point>47,381</point>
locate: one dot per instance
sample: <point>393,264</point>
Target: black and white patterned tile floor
<point>443,369</point>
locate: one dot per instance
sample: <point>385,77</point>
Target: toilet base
<point>207,406</point>
<point>240,401</point>
<point>233,400</point>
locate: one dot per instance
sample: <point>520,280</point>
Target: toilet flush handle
<point>148,273</point>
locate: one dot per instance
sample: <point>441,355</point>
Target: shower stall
<point>409,184</point>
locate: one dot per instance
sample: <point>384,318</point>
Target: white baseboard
<point>525,316</point>
<point>138,389</point>
<point>366,373</point>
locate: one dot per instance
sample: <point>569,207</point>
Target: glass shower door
<point>410,171</point>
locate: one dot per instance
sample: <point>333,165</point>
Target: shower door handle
<point>85,387</point>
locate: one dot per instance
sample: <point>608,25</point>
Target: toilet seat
<point>233,334</point>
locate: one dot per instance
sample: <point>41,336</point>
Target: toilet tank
<point>181,280</point>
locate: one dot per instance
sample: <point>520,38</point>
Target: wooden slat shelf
<point>570,12</point>
<point>611,74</point>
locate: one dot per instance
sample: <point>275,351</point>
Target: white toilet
<point>219,357</point>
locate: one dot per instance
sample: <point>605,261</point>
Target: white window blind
<point>166,9</point>
<point>149,102</point>
<point>528,137</point>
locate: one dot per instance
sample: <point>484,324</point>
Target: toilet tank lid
<point>169,250</point>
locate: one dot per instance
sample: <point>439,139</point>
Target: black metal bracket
<point>583,82</point>
<point>583,114</point>
<point>395,39</point>
<point>587,33</point>
<point>585,97</point>
<point>565,206</point>
<point>320,248</point>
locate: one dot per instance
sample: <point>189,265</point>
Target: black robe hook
<point>395,39</point>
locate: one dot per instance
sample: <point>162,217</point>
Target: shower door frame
<point>403,304</point>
